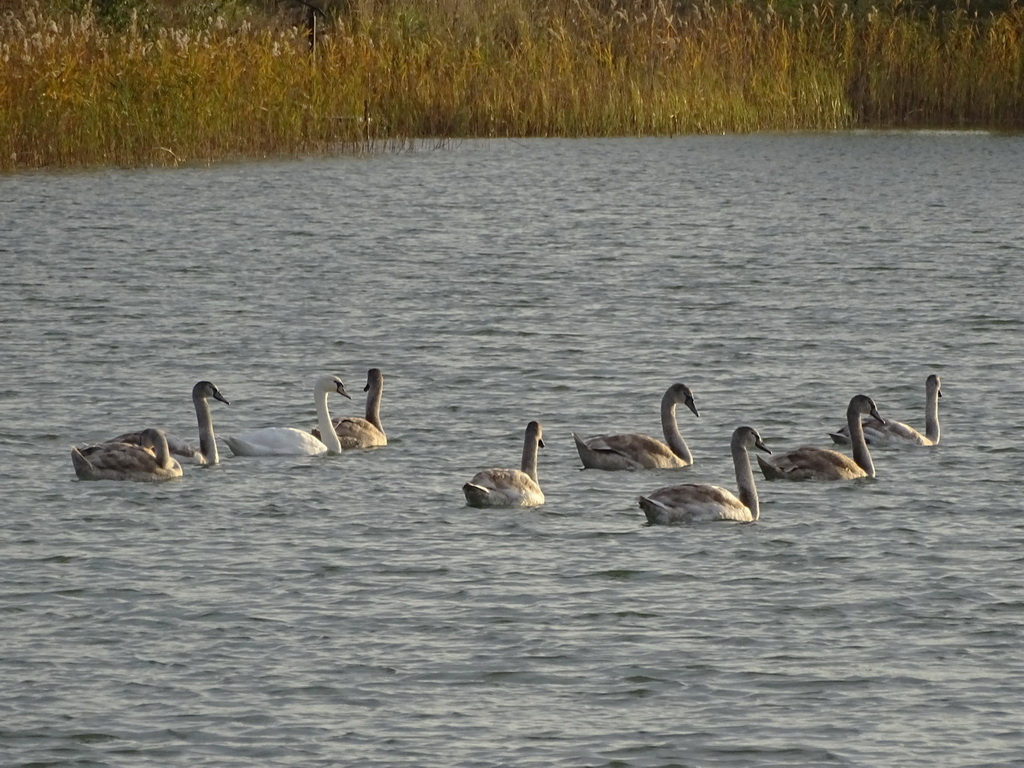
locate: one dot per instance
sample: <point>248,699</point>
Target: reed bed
<point>77,91</point>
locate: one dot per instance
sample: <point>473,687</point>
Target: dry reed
<point>74,91</point>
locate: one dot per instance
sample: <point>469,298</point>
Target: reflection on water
<point>351,609</point>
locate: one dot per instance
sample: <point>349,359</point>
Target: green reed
<point>74,91</point>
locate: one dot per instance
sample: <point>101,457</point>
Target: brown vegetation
<point>131,85</point>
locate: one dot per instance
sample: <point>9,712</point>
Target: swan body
<point>286,441</point>
<point>635,451</point>
<point>357,432</point>
<point>693,502</point>
<point>810,463</point>
<point>510,487</point>
<point>150,460</point>
<point>181,449</point>
<point>896,432</point>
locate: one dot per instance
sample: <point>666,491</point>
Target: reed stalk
<point>76,91</point>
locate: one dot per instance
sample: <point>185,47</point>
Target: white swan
<point>824,464</point>
<point>356,432</point>
<point>286,441</point>
<point>150,460</point>
<point>896,432</point>
<point>180,449</point>
<point>510,487</point>
<point>633,451</point>
<point>701,503</point>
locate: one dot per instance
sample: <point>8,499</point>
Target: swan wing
<point>502,488</point>
<point>626,451</point>
<point>359,432</point>
<point>356,432</point>
<point>691,503</point>
<point>275,441</point>
<point>121,461</point>
<point>179,447</point>
<point>809,463</point>
<point>876,433</point>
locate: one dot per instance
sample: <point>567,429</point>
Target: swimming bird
<point>287,441</point>
<point>149,461</point>
<point>695,502</point>
<point>179,448</point>
<point>898,433</point>
<point>634,451</point>
<point>810,463</point>
<point>510,487</point>
<point>357,432</point>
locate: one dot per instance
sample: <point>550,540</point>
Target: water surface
<point>351,610</point>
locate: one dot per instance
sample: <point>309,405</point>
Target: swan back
<point>510,487</point>
<point>148,461</point>
<point>693,502</point>
<point>637,451</point>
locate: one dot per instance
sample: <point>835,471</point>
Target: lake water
<point>351,610</point>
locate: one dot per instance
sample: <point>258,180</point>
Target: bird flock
<point>154,455</point>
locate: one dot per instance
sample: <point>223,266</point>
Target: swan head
<point>374,378</point>
<point>207,389</point>
<point>748,438</point>
<point>534,430</point>
<point>331,384</point>
<point>680,393</point>
<point>863,405</point>
<point>934,384</point>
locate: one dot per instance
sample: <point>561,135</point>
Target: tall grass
<point>75,91</point>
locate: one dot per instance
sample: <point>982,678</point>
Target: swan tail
<point>839,438</point>
<point>476,495</point>
<point>769,470</point>
<point>83,468</point>
<point>582,449</point>
<point>653,510</point>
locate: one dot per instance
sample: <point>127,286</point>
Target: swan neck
<point>323,421</point>
<point>207,438</point>
<point>163,452</point>
<point>861,454</point>
<point>670,427</point>
<point>931,416</point>
<point>529,464</point>
<point>745,480</point>
<point>373,406</point>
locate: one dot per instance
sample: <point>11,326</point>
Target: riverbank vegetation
<point>136,83</point>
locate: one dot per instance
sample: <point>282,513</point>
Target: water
<point>352,610</point>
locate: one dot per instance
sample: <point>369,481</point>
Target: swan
<point>896,432</point>
<point>150,460</point>
<point>180,449</point>
<point>693,502</point>
<point>510,487</point>
<point>823,464</point>
<point>356,432</point>
<point>286,441</point>
<point>632,451</point>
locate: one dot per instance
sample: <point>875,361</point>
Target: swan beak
<point>341,391</point>
<point>218,396</point>
<point>759,444</point>
<point>693,407</point>
<point>874,413</point>
<point>540,442</point>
